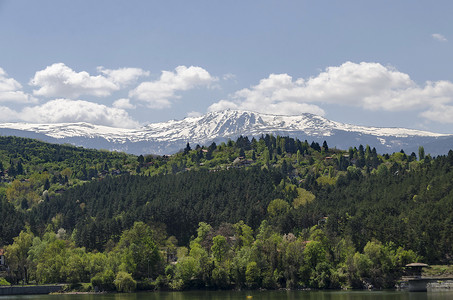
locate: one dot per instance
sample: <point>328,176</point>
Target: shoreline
<point>56,289</point>
<point>31,289</point>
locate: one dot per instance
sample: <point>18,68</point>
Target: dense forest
<point>262,213</point>
<point>29,167</point>
<point>101,210</point>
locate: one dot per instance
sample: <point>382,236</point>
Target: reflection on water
<point>251,295</point>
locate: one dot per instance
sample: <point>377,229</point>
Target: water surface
<point>250,295</point>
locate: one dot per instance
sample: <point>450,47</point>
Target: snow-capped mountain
<point>169,137</point>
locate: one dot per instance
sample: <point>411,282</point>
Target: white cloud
<point>439,37</point>
<point>439,113</point>
<point>123,76</point>
<point>229,76</point>
<point>280,108</point>
<point>225,104</point>
<point>11,90</point>
<point>7,114</point>
<point>194,114</point>
<point>8,84</point>
<point>123,103</point>
<point>157,94</point>
<point>368,85</point>
<point>65,110</point>
<point>58,80</point>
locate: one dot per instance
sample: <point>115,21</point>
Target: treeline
<point>226,257</point>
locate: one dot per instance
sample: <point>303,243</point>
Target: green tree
<point>244,234</point>
<point>124,282</point>
<point>314,255</point>
<point>220,276</point>
<point>76,266</point>
<point>202,231</point>
<point>46,184</point>
<point>17,255</point>
<point>252,275</point>
<point>187,149</point>
<point>303,197</point>
<point>52,262</point>
<point>141,254</point>
<point>292,259</point>
<point>277,211</point>
<point>219,248</point>
<point>243,256</point>
<point>187,269</point>
<point>299,157</point>
<point>104,281</point>
<point>421,153</point>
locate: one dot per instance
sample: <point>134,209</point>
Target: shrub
<point>4,282</point>
<point>124,282</point>
<point>104,281</point>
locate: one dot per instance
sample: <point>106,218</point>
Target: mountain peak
<point>169,137</point>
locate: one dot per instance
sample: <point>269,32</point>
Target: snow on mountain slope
<point>169,137</point>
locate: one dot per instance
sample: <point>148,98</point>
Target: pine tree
<point>46,185</point>
<point>187,149</point>
<point>421,153</point>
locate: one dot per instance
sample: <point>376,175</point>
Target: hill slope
<point>306,212</point>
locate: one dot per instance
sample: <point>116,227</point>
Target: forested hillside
<point>269,212</point>
<point>101,210</point>
<point>29,167</point>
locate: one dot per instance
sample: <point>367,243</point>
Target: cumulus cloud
<point>157,94</point>
<point>123,103</point>
<point>371,86</point>
<point>7,114</point>
<point>11,90</point>
<point>65,110</point>
<point>439,37</point>
<point>123,76</point>
<point>439,113</point>
<point>278,108</point>
<point>229,76</point>
<point>194,114</point>
<point>59,80</point>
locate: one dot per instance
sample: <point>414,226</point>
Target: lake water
<point>251,295</point>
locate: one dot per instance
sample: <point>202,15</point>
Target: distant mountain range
<point>172,136</point>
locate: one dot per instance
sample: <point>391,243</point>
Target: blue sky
<point>128,63</point>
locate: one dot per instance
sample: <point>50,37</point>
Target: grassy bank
<point>438,271</point>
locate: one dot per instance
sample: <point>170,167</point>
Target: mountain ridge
<point>171,136</point>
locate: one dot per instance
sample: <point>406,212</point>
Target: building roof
<point>417,265</point>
